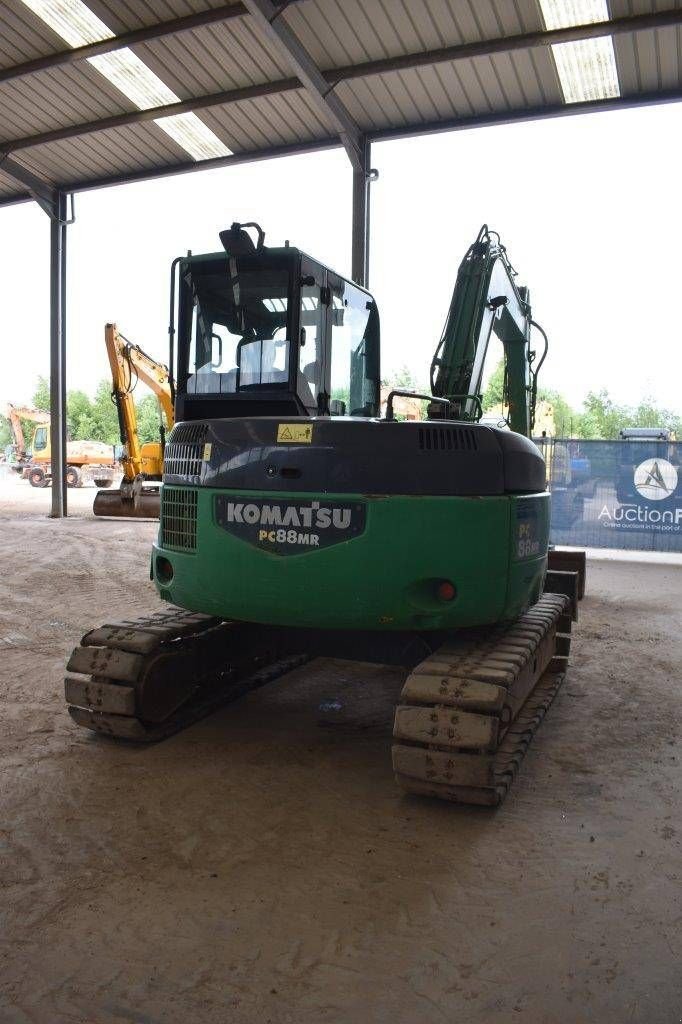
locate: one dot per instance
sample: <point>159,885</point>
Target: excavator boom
<point>486,299</point>
<point>17,413</point>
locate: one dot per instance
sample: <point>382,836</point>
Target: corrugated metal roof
<point>648,61</point>
<point>424,93</point>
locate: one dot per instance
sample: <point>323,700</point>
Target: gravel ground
<point>262,867</point>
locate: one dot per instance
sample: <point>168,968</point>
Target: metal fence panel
<point>615,494</point>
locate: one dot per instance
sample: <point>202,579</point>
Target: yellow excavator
<point>139,496</point>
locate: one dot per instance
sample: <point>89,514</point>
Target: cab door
<point>311,385</point>
<point>352,349</point>
<point>337,382</point>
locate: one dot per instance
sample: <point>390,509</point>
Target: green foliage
<point>600,418</point>
<point>148,419</point>
<point>494,392</point>
<point>402,378</point>
<point>41,395</point>
<point>648,414</point>
<point>603,418</point>
<point>78,416</point>
<point>104,418</point>
<point>567,422</point>
<point>5,433</point>
<point>92,419</point>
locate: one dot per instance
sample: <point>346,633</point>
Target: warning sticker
<point>296,433</point>
<point>207,451</point>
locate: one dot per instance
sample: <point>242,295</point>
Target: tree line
<point>91,419</point>
<point>600,418</point>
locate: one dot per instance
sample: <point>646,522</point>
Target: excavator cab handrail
<point>408,394</point>
<point>475,398</point>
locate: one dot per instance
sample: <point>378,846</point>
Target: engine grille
<point>186,433</point>
<point>179,518</point>
<point>447,439</point>
<point>183,455</point>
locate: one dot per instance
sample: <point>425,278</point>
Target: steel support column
<point>54,203</point>
<point>362,176</point>
<point>58,225</point>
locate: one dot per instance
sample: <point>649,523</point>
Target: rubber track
<point>192,663</point>
<point>475,705</point>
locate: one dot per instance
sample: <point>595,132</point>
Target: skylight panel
<point>72,20</point>
<point>565,13</point>
<point>586,68</point>
<point>193,135</point>
<point>77,25</point>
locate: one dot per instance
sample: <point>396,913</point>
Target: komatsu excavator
<point>295,522</point>
<point>138,495</point>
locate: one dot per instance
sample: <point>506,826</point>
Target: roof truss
<point>319,85</point>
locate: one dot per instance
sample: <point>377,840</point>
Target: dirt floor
<point>262,867</point>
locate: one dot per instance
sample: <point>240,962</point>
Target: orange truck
<point>85,460</point>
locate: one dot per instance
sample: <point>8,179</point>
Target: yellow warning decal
<point>207,451</point>
<point>298,433</point>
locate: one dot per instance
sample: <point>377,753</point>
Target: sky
<point>588,207</point>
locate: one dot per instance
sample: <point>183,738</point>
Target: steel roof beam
<point>507,44</point>
<point>268,18</point>
<point>191,166</point>
<point>16,198</point>
<point>643,99</point>
<point>215,15</point>
<point>43,193</point>
<point>335,76</point>
<point>138,35</point>
<point>133,117</point>
<point>380,135</point>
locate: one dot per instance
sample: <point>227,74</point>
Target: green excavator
<point>297,522</point>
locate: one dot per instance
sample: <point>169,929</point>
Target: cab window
<point>239,328</point>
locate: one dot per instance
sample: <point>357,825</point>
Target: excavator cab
<point>40,439</point>
<point>271,332</point>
